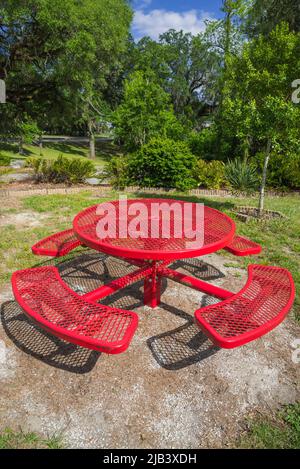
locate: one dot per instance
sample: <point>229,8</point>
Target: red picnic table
<point>151,234</point>
<point>153,254</point>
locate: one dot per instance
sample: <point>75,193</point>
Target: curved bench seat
<point>57,245</point>
<point>47,300</point>
<point>241,246</point>
<point>260,306</point>
<point>62,243</point>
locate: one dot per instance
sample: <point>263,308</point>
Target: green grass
<point>279,238</point>
<point>10,439</point>
<point>16,241</point>
<point>281,432</point>
<point>60,203</point>
<point>104,151</point>
<point>280,241</point>
<point>5,170</point>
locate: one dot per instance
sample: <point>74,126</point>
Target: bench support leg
<point>196,283</point>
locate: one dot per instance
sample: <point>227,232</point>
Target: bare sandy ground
<point>171,389</point>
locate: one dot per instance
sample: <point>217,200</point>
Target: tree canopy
<point>56,58</point>
<point>226,91</point>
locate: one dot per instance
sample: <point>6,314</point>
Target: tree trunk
<point>264,178</point>
<point>41,146</point>
<point>21,149</point>
<point>92,141</point>
<point>246,149</point>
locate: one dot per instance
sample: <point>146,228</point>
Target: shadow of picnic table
<point>43,346</point>
<point>86,270</point>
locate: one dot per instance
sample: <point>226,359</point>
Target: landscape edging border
<point>108,189</point>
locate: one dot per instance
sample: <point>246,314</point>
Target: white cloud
<point>157,22</point>
<point>141,4</point>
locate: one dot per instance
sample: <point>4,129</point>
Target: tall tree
<point>145,112</point>
<point>185,66</point>
<point>264,15</point>
<point>258,103</point>
<point>49,53</point>
<point>227,36</point>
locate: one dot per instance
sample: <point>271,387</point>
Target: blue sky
<point>153,17</point>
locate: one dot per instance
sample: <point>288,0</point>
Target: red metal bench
<point>260,306</point>
<point>57,245</point>
<point>47,300</point>
<point>62,243</point>
<point>241,246</point>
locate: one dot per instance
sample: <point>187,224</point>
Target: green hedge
<point>163,163</point>
<point>283,169</point>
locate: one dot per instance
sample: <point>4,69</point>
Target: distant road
<point>64,139</point>
<point>60,139</point>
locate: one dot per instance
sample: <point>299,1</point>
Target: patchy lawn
<point>20,440</point>
<point>280,432</point>
<point>279,238</point>
<point>104,151</point>
<point>172,388</point>
<point>34,218</point>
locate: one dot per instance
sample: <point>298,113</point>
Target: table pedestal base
<point>152,275</point>
<point>152,291</point>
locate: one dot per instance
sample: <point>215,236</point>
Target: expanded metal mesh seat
<point>241,246</point>
<point>259,307</point>
<point>62,243</point>
<point>47,300</point>
<point>57,245</point>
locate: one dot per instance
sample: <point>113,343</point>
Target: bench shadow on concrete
<point>86,270</point>
<point>182,347</point>
<point>43,346</point>
<point>185,345</point>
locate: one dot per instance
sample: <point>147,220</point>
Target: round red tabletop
<point>156,229</point>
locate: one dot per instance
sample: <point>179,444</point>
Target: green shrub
<point>4,160</point>
<point>172,127</point>
<point>283,169</point>
<point>203,144</point>
<point>163,163</point>
<point>242,176</point>
<point>145,112</point>
<point>61,170</point>
<point>117,172</point>
<point>210,174</point>
<point>34,162</point>
<point>5,170</point>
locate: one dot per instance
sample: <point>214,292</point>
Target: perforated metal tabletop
<point>215,232</point>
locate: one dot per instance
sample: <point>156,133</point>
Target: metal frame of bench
<point>258,308</point>
<point>239,318</point>
<point>62,243</point>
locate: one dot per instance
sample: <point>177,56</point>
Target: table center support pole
<point>152,287</point>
